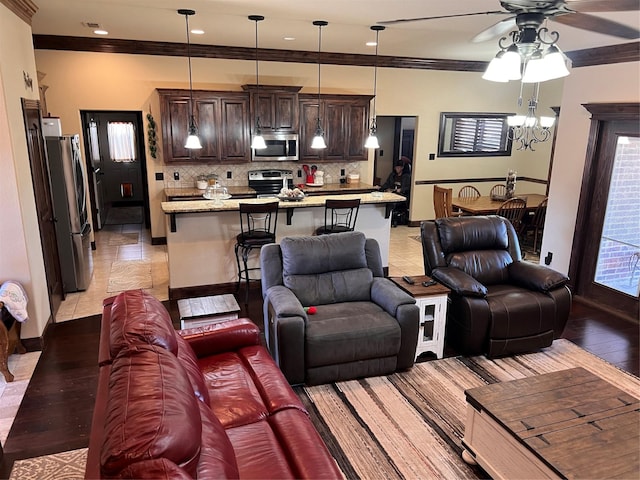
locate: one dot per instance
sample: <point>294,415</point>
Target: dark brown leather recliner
<point>499,305</point>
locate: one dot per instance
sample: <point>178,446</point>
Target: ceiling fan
<point>531,13</point>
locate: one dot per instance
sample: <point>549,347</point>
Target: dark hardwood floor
<point>55,414</point>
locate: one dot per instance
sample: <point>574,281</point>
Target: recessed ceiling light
<point>370,44</point>
<point>197,31</point>
<point>289,39</point>
<point>101,32</point>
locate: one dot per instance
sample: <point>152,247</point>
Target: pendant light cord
<point>319,48</point>
<point>186,17</point>
<point>257,77</point>
<point>375,77</point>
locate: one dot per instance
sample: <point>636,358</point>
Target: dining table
<point>485,205</point>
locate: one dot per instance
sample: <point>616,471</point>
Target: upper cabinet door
<point>277,107</point>
<point>174,111</point>
<point>308,124</point>
<point>207,114</point>
<point>235,143</point>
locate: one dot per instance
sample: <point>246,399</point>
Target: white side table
<point>432,302</point>
<point>196,312</point>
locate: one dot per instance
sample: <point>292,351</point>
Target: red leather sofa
<point>206,402</point>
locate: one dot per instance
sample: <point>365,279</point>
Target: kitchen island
<point>201,235</point>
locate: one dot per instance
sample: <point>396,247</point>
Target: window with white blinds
<point>465,134</point>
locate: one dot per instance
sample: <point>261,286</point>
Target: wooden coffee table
<point>567,424</point>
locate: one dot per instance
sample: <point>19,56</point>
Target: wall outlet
<point>176,175</point>
<point>548,258</point>
<point>432,156</point>
<point>299,173</point>
<point>381,153</point>
<point>228,174</point>
<point>159,176</point>
<point>342,172</point>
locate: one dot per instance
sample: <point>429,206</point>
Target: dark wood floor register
<point>567,424</point>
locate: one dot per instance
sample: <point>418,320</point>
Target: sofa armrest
<point>536,277</point>
<point>285,321</point>
<point>389,296</point>
<point>459,282</point>
<point>221,337</point>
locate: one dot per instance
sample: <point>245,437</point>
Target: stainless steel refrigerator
<point>73,230</point>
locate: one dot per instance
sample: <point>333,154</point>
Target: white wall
<point>600,84</point>
<point>20,247</point>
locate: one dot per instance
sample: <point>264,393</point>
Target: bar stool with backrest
<point>514,210</point>
<point>258,222</point>
<point>340,215</point>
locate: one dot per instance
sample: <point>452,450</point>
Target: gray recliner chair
<point>365,325</point>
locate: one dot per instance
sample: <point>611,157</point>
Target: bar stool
<point>258,222</point>
<point>339,216</point>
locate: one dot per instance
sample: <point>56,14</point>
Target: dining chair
<point>513,210</point>
<point>469,191</point>
<point>499,190</point>
<point>339,216</point>
<point>536,224</point>
<point>258,224</point>
<point>442,202</point>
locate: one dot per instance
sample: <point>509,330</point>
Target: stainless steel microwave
<point>281,147</point>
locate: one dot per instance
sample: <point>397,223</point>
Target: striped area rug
<point>410,424</point>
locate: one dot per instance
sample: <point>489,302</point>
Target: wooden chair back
<point>513,210</point>
<point>442,201</point>
<point>498,190</point>
<point>469,191</point>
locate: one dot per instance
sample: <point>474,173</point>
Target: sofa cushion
<point>338,251</point>
<point>151,412</point>
<point>217,456</point>
<point>138,318</point>
<point>472,233</point>
<point>348,332</point>
<point>489,267</point>
<point>331,287</point>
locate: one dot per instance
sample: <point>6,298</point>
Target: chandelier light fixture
<point>372,139</point>
<point>318,139</point>
<point>257,143</point>
<point>193,142</point>
<point>529,129</point>
<point>532,57</point>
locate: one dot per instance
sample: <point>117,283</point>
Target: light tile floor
<point>113,244</point>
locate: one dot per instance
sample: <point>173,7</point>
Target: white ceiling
<point>225,23</point>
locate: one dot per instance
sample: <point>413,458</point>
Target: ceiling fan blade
<point>597,24</point>
<point>496,30</point>
<point>603,5</point>
<point>405,20</point>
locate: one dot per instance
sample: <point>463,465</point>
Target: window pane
<point>122,145</point>
<point>93,142</point>
<point>473,134</point>
<point>618,264</point>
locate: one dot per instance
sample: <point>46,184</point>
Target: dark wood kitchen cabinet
<point>222,119</point>
<point>277,107</point>
<point>345,120</point>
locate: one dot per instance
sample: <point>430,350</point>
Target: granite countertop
<point>308,201</point>
<point>246,191</point>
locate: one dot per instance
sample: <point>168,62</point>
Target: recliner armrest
<point>284,302</point>
<point>459,282</point>
<point>388,295</point>
<point>536,277</point>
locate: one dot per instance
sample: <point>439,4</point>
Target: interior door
<point>44,202</point>
<point>606,262</point>
<point>114,142</point>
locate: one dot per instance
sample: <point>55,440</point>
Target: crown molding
<point>25,9</point>
<point>628,52</point>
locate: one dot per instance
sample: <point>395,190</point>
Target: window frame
<point>447,126</point>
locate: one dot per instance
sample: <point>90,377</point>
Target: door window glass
<point>94,143</point>
<point>122,144</point>
<point>618,265</point>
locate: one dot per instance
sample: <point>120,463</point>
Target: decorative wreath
<point>151,136</point>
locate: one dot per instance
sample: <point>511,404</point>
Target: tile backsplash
<point>240,172</point>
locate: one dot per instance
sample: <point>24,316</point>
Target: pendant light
<point>257,143</point>
<point>318,139</point>
<point>193,142</point>
<point>372,139</point>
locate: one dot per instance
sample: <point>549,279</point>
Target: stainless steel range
<point>269,182</point>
